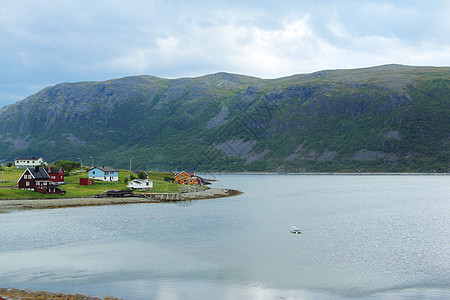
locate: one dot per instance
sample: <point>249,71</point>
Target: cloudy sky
<point>47,42</point>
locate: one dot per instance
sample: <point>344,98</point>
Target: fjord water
<point>371,237</point>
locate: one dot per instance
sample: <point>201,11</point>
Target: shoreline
<point>211,193</point>
<point>12,293</point>
<point>328,173</point>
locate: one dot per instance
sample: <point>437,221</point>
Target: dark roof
<point>53,170</point>
<point>27,158</point>
<point>39,173</point>
<point>106,169</point>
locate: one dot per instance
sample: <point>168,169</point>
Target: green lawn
<point>74,190</point>
<point>10,176</point>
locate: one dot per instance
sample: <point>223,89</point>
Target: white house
<point>140,184</point>
<point>28,162</point>
<point>104,173</point>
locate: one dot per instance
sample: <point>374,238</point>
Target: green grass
<point>10,176</point>
<point>74,190</point>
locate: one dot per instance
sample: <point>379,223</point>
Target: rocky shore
<point>29,294</point>
<point>73,202</point>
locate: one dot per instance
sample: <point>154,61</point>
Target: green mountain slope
<point>387,118</point>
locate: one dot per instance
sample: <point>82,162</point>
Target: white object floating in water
<point>295,230</point>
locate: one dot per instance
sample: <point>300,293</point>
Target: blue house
<point>104,173</point>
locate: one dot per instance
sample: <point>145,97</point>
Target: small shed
<point>86,181</point>
<point>140,184</point>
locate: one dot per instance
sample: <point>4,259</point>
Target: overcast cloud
<point>47,42</point>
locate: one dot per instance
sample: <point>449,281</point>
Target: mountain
<point>386,118</point>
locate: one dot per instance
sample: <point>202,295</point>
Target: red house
<point>37,179</point>
<point>56,174</point>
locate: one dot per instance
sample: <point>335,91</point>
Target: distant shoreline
<point>211,193</point>
<point>325,173</point>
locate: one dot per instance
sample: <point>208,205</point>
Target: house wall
<point>26,182</point>
<point>59,177</point>
<point>28,163</point>
<point>135,185</point>
<point>101,175</point>
<point>86,181</point>
<point>185,178</point>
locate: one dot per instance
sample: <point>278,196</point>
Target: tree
<point>9,164</point>
<point>142,175</point>
<point>67,165</point>
<point>125,180</point>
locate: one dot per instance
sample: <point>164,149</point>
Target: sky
<point>46,42</point>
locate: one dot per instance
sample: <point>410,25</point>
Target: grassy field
<point>74,190</point>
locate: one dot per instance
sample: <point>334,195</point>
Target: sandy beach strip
<point>73,202</point>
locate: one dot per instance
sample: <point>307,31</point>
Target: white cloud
<point>47,42</point>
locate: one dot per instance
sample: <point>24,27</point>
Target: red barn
<point>56,174</point>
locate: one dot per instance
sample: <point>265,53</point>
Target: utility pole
<point>92,161</point>
<point>130,162</point>
<point>81,162</point>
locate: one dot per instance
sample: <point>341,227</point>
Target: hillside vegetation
<point>390,118</point>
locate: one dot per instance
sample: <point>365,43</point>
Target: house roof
<point>28,158</point>
<point>191,174</point>
<point>105,169</point>
<point>39,173</point>
<point>53,170</point>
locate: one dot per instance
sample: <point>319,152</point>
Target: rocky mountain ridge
<point>386,118</point>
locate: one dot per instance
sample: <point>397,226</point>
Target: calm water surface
<point>371,237</point>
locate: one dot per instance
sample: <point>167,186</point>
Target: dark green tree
<point>67,165</point>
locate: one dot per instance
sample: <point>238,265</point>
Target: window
<point>27,183</point>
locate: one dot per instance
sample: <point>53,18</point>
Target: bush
<point>142,175</point>
<point>9,164</point>
<point>169,179</point>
